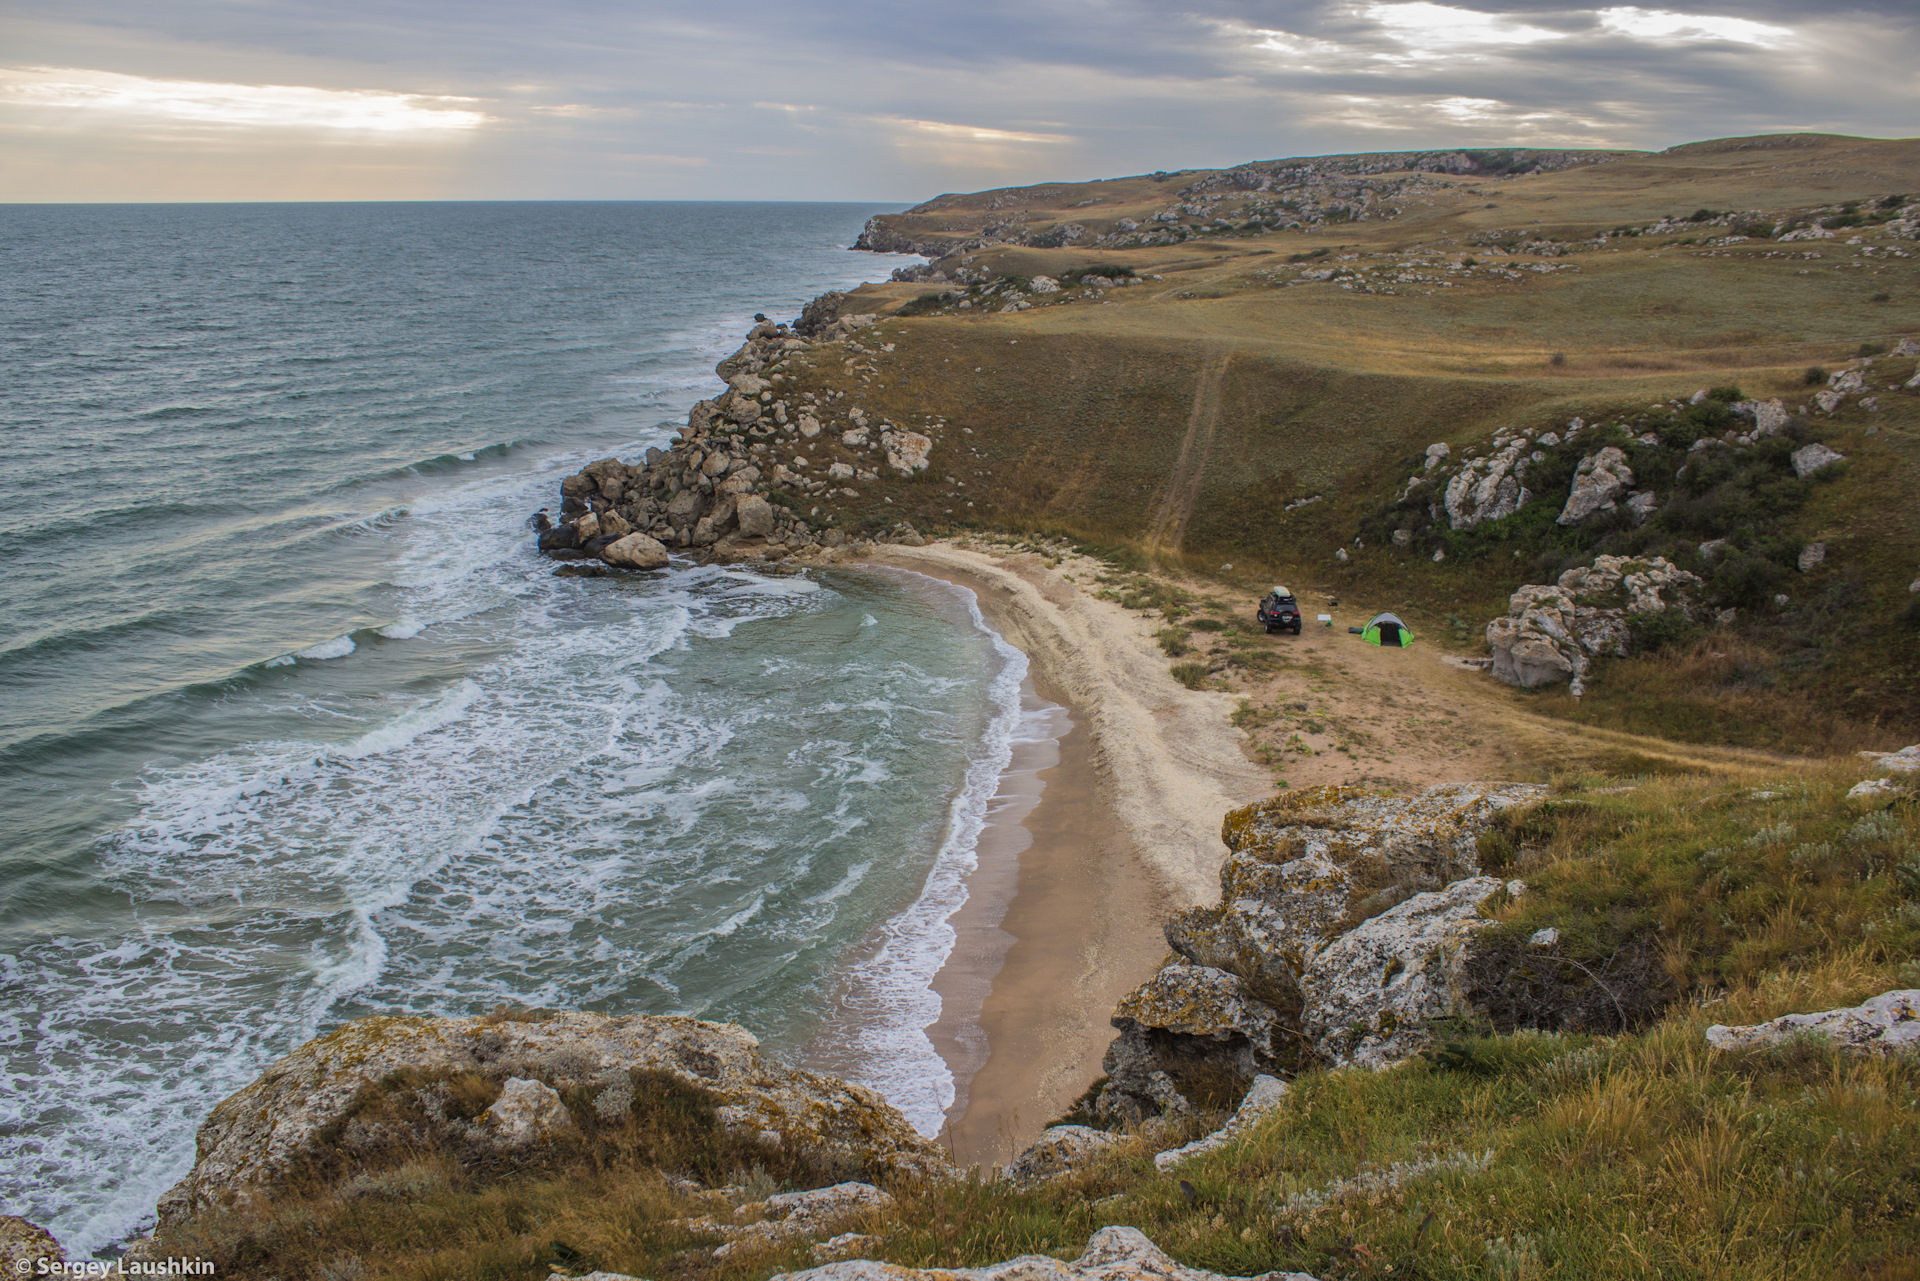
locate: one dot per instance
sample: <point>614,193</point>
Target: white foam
<point>893,989</point>
<point>338,647</point>
<point>403,629</point>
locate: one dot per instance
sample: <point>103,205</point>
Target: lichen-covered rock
<point>1553,632</point>
<point>1060,1151</point>
<point>1888,1023</point>
<point>1601,478</point>
<point>1112,1254</point>
<point>258,1134</point>
<point>1304,867</point>
<point>27,1249</point>
<point>1370,993</point>
<point>1267,1095</point>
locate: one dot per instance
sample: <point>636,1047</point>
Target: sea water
<point>296,727</point>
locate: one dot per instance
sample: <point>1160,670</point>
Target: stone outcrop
<point>1311,875</point>
<point>1487,489</point>
<point>27,1249</point>
<point>1552,633</point>
<point>1267,1095</point>
<point>732,486</point>
<point>1889,1023</point>
<point>1371,993</point>
<point>790,1216</point>
<point>305,1105</point>
<point>1060,1151</point>
<point>1112,1254</point>
<point>1600,480</point>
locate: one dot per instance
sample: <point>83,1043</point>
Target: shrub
<point>1173,641</point>
<point>1192,675</point>
<point>1871,349</point>
<point>1814,376</point>
<point>1727,395</point>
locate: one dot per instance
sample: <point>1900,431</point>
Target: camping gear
<point>1385,629</point>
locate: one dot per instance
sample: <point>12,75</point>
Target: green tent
<point>1385,629</point>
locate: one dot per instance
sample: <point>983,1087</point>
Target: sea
<point>296,727</point>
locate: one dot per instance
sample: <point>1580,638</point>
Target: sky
<point>138,100</point>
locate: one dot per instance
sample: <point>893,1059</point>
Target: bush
<point>1192,675</point>
<point>1173,641</point>
<point>1727,395</point>
<point>1814,376</point>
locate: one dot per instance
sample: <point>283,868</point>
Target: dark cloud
<point>863,99</point>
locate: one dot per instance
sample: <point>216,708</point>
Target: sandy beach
<point>1096,836</point>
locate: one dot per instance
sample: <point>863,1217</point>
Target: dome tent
<point>1386,629</point>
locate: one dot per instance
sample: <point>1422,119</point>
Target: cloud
<point>79,97</point>
<point>1660,26</point>
<point>868,98</point>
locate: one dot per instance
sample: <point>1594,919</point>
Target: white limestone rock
<point>906,450</point>
<point>1489,488</point>
<point>1889,1023</point>
<point>525,1114</point>
<point>1601,478</point>
<point>635,551</point>
<point>1267,1095</point>
<point>1811,458</point>
<point>1112,1254</point>
<point>1370,992</point>
<point>790,1216</point>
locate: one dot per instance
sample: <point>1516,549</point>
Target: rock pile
<point>1552,633</point>
<point>1343,925</point>
<point>729,488</point>
<point>312,1102</point>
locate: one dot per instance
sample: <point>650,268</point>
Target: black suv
<point>1279,612</point>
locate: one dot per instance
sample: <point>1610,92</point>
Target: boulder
<point>1601,478</point>
<point>587,528</point>
<point>303,1104</point>
<point>28,1250</point>
<point>1552,633</point>
<point>1848,382</point>
<point>1488,488</point>
<point>1812,556</point>
<point>1304,868</point>
<point>1371,992</point>
<point>1828,400</point>
<point>1060,1151</point>
<point>1437,453</point>
<point>1267,1096</point>
<point>560,536</point>
<point>906,450</point>
<point>1811,458</point>
<point>1889,1023</point>
<point>1769,416</point>
<point>754,516</point>
<point>1112,1254</point>
<point>635,551</point>
<point>1904,761</point>
<point>526,1113</point>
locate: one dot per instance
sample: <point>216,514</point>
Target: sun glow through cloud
<point>75,93</point>
<point>1658,24</point>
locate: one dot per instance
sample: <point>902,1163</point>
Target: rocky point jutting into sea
<point>746,474</point>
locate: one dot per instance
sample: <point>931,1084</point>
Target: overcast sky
<point>857,100</point>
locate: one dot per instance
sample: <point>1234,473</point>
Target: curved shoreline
<point>1079,868</point>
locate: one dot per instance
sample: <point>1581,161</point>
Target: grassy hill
<point>1265,355</point>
